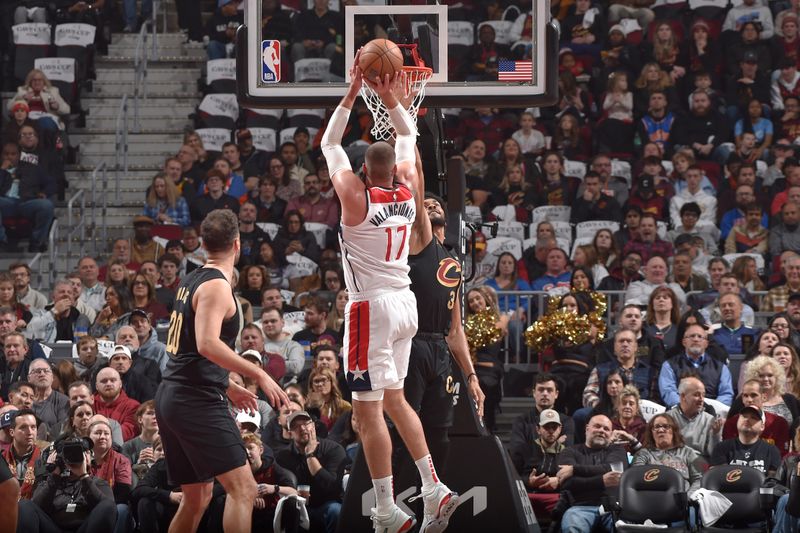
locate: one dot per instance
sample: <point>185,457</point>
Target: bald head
<point>379,161</point>
<point>108,384</point>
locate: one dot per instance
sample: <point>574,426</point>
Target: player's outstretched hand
<point>386,88</point>
<point>274,392</point>
<point>356,76</point>
<point>242,398</point>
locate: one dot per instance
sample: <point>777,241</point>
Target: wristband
<point>472,374</point>
<point>277,489</point>
<point>311,455</point>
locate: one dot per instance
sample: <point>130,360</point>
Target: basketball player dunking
<point>381,314</point>
<point>200,438</point>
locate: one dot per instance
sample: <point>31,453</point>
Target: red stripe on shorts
<point>359,337</point>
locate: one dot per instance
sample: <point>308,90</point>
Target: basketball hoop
<point>414,79</point>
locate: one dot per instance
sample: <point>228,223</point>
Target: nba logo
<point>271,61</point>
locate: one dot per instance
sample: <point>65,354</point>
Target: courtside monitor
<point>298,53</point>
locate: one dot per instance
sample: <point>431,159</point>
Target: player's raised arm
<point>347,185</point>
<point>421,231</point>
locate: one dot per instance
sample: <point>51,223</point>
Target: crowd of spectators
<point>675,134</point>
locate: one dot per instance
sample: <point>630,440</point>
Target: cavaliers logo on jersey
<point>449,272</point>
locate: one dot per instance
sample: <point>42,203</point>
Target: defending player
<point>381,314</point>
<point>435,280</point>
<point>200,438</point>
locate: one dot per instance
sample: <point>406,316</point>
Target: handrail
<point>101,168</point>
<point>154,27</point>
<point>140,75</point>
<point>121,144</point>
<point>75,227</point>
<point>52,253</point>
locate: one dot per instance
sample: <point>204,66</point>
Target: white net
<point>414,81</point>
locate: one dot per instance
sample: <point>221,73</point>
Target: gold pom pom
<point>481,330</point>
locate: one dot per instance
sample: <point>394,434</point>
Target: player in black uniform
<point>200,438</point>
<point>436,280</point>
<point>9,496</point>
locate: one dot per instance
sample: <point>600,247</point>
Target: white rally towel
<point>648,525</point>
<point>712,505</point>
<point>305,523</point>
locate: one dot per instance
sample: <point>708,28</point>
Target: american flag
<point>514,70</point>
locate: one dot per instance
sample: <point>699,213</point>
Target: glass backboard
<point>298,53</point>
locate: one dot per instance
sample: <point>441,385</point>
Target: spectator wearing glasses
<point>51,407</point>
<point>714,374</point>
<point>777,298</point>
<point>42,98</point>
<point>664,445</point>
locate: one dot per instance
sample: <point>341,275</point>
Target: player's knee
<point>197,500</point>
<point>243,489</point>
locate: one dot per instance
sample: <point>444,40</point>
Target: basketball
<point>380,57</point>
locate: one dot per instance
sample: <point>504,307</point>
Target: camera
<point>69,451</point>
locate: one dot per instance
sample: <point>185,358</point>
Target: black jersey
<point>186,365</point>
<point>435,280</point>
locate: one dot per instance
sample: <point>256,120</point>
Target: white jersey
<point>375,252</point>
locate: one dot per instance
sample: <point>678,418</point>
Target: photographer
<point>69,498</point>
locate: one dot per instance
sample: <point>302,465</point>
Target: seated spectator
<point>646,197</point>
<point>111,401</point>
<point>233,183</point>
<point>702,129</point>
<point>655,275</point>
<point>315,31</point>
<point>221,29</point>
<point>15,362</point>
<point>594,204</point>
<point>49,405</point>
<point>613,186</point>
<point>732,327</point>
<point>652,80</point>
<point>530,140</point>
<point>546,388</point>
<point>317,463</point>
<point>79,418</point>
<point>294,238</point>
<point>316,331</point>
<point>786,355</point>
<point>695,194</point>
<point>120,252</point>
<point>61,320</point>
<point>140,375</point>
<point>700,429</point>
<point>608,253</point>
<point>25,191</point>
<point>787,83</point>
<point>24,453</point>
<point>164,202</point>
<point>788,475</point>
<point>270,207</point>
<point>553,187</point>
<point>663,315</point>
<point>143,292</point>
<point>786,235</point>
<point>276,433</point>
<point>590,471</point>
<point>539,471</point>
<point>777,297</point>
<point>691,225</point>
<point>70,501</point>
<point>620,278</point>
<point>751,236</point>
<point>37,158</point>
<point>149,345</point>
<point>618,116</point>
<point>664,445</point>
<point>684,276</point>
<point>143,247</point>
<point>44,101</point>
<point>772,377</point>
<point>113,467</point>
<point>280,342</point>
<point>647,242</point>
<point>296,172</point>
<point>712,373</point>
<point>8,300</point>
<point>168,281</point>
<point>484,52</point>
<point>26,294</point>
<point>325,396</point>
<point>92,292</point>
<point>712,313</point>
<point>252,339</point>
<point>213,198</point>
<point>251,237</point>
<point>117,312</point>
<point>516,191</point>
<point>274,482</point>
<point>81,392</point>
<point>776,428</point>
<point>747,448</point>
<point>140,450</point>
<point>557,274</point>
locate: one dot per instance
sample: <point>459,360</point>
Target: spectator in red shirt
<point>313,206</point>
<point>111,401</point>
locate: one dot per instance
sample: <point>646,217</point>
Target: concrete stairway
<point>172,95</point>
<point>510,409</point>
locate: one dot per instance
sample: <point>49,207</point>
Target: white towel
<point>712,505</point>
<point>648,524</point>
<point>305,523</point>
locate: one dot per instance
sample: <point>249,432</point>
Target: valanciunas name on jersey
<point>404,210</point>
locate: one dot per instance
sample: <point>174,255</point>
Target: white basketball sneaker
<point>396,522</point>
<point>440,504</point>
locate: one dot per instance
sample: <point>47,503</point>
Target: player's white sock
<point>384,495</point>
<point>427,472</point>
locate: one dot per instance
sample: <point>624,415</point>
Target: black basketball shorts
<point>429,386</point>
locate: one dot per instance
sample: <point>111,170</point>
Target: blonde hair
<point>663,82</point>
<point>505,185</point>
<point>170,191</point>
<point>336,404</point>
<point>33,73</point>
<point>613,79</point>
<point>755,365</point>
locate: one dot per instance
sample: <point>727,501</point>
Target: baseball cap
<point>245,417</point>
<point>119,349</point>
<point>750,57</point>
<point>793,296</point>
<point>7,419</point>
<point>140,312</point>
<point>254,354</point>
<point>244,134</point>
<point>752,408</point>
<point>296,415</point>
<point>616,27</point>
<point>549,416</point>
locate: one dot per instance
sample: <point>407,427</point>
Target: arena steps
<point>510,410</point>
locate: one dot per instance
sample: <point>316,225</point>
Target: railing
<point>121,144</point>
<point>140,75</point>
<point>76,222</point>
<point>154,25</point>
<point>101,170</point>
<point>37,265</point>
